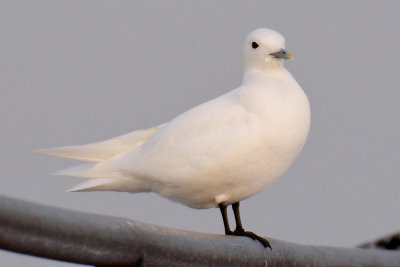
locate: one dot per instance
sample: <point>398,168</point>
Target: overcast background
<point>74,72</point>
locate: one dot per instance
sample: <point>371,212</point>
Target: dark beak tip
<point>283,54</point>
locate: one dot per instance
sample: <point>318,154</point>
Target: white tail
<point>81,170</point>
<point>129,184</point>
<point>91,185</point>
<point>102,178</point>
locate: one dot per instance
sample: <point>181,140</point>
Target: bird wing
<point>101,151</point>
<point>199,144</point>
<point>209,131</point>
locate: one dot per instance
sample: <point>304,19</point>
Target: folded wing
<point>100,151</point>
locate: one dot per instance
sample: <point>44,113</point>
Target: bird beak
<point>282,54</point>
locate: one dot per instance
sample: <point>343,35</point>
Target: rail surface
<point>98,240</point>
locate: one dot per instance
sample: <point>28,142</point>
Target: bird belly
<point>203,167</point>
<point>258,167</point>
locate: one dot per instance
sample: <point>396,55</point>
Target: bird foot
<point>242,232</point>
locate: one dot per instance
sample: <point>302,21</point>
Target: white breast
<point>230,148</point>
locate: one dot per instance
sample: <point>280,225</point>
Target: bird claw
<point>253,236</point>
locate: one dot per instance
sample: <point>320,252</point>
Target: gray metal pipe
<point>99,240</point>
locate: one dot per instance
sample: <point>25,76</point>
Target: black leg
<point>222,208</point>
<point>235,208</point>
<point>239,231</point>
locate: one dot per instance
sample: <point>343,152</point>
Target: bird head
<point>265,49</point>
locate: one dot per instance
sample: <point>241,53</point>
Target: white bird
<point>216,154</point>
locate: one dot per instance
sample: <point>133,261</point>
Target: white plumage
<point>224,150</point>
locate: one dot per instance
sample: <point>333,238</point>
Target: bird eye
<point>254,45</point>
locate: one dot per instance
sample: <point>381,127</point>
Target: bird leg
<point>239,231</point>
<point>222,208</point>
<point>235,208</point>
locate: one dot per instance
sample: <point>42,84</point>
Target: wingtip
<point>59,173</point>
<point>39,152</point>
<point>72,190</point>
<point>52,152</point>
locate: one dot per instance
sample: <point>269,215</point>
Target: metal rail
<point>99,240</point>
<point>390,242</point>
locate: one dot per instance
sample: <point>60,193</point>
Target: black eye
<point>254,45</point>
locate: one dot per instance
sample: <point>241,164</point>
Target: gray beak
<point>282,54</point>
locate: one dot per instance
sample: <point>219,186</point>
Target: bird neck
<point>263,76</point>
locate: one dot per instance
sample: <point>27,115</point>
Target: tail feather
<point>103,177</point>
<point>82,170</point>
<point>102,173</point>
<point>91,171</point>
<point>126,184</point>
<point>101,151</point>
<point>91,185</point>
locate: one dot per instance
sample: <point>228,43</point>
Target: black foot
<point>239,231</point>
<point>252,235</point>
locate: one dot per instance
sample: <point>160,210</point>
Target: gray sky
<point>74,72</point>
